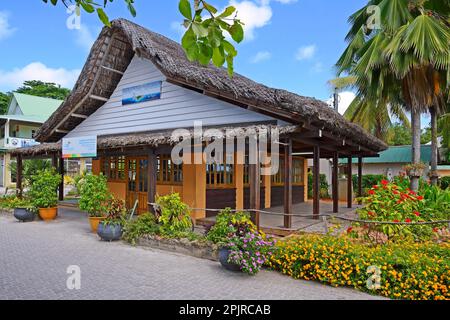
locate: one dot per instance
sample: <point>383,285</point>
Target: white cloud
<point>252,15</point>
<point>5,29</point>
<point>345,99</point>
<point>12,79</point>
<point>306,52</point>
<point>84,37</point>
<point>261,56</point>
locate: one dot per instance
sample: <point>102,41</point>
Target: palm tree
<point>405,60</point>
<point>374,116</point>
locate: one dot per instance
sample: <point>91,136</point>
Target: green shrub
<point>175,215</point>
<point>368,181</point>
<point>445,182</point>
<point>44,187</point>
<point>12,202</point>
<point>407,270</point>
<point>224,225</point>
<point>324,186</point>
<point>94,194</point>
<point>144,224</point>
<point>389,202</point>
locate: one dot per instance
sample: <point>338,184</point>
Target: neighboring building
<point>18,127</point>
<point>133,127</point>
<point>391,161</point>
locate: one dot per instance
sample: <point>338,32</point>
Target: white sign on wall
<point>79,147</point>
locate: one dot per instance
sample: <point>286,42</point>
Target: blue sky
<point>291,44</point>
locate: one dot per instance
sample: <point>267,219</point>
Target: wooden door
<point>137,183</point>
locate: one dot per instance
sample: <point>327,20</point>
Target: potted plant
<point>94,196</point>
<point>111,229</point>
<point>415,169</point>
<point>24,210</point>
<point>43,193</point>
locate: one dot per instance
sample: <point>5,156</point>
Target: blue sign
<point>145,92</point>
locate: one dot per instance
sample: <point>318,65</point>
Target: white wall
<point>177,108</point>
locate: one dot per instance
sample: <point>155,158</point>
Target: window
<point>114,168</point>
<point>220,175</point>
<point>297,172</point>
<point>33,133</point>
<point>168,172</point>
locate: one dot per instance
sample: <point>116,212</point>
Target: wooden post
<point>360,177</point>
<point>288,184</point>
<point>19,175</point>
<point>254,181</point>
<point>335,182</point>
<point>61,172</point>
<point>349,182</point>
<point>55,161</point>
<point>152,169</point>
<point>316,182</point>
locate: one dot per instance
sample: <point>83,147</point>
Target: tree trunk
<point>416,132</point>
<point>434,146</point>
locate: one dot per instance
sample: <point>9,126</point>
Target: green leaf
<point>237,32</point>
<point>103,17</point>
<point>209,7</point>
<point>227,12</point>
<point>87,7</point>
<point>218,57</point>
<point>229,48</point>
<point>206,53</point>
<point>185,9</point>
<point>199,30</point>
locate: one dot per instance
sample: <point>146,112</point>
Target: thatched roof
<point>115,48</point>
<point>155,139</point>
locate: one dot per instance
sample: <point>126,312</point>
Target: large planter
<point>110,232</point>
<point>48,214</point>
<point>224,253</point>
<point>94,222</point>
<point>24,215</point>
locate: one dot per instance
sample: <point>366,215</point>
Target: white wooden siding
<point>178,108</point>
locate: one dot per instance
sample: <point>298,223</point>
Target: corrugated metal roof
<point>397,154</point>
<point>38,107</point>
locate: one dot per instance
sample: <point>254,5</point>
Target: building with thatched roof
<point>137,87</point>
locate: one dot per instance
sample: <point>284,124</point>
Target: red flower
<point>372,192</point>
<point>395,192</point>
<point>412,192</point>
<point>420,198</point>
<point>417,213</point>
<point>371,214</point>
<point>375,187</point>
<point>399,201</point>
<point>435,230</point>
<point>408,220</point>
<point>350,229</point>
<point>396,220</point>
<point>384,182</point>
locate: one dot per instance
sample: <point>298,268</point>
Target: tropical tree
<point>373,115</point>
<point>400,54</point>
<point>44,89</point>
<point>5,98</point>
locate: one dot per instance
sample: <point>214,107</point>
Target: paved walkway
<point>34,258</point>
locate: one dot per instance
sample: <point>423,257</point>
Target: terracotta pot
<point>48,214</point>
<point>94,221</point>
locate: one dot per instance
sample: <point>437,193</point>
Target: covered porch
<point>137,169</point>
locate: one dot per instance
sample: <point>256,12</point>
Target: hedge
<point>408,270</point>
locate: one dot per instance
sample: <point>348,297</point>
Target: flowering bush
<point>116,212</point>
<point>390,202</point>
<point>406,271</point>
<point>225,224</point>
<point>249,248</point>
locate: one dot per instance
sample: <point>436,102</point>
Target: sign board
<point>145,92</point>
<point>79,147</point>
